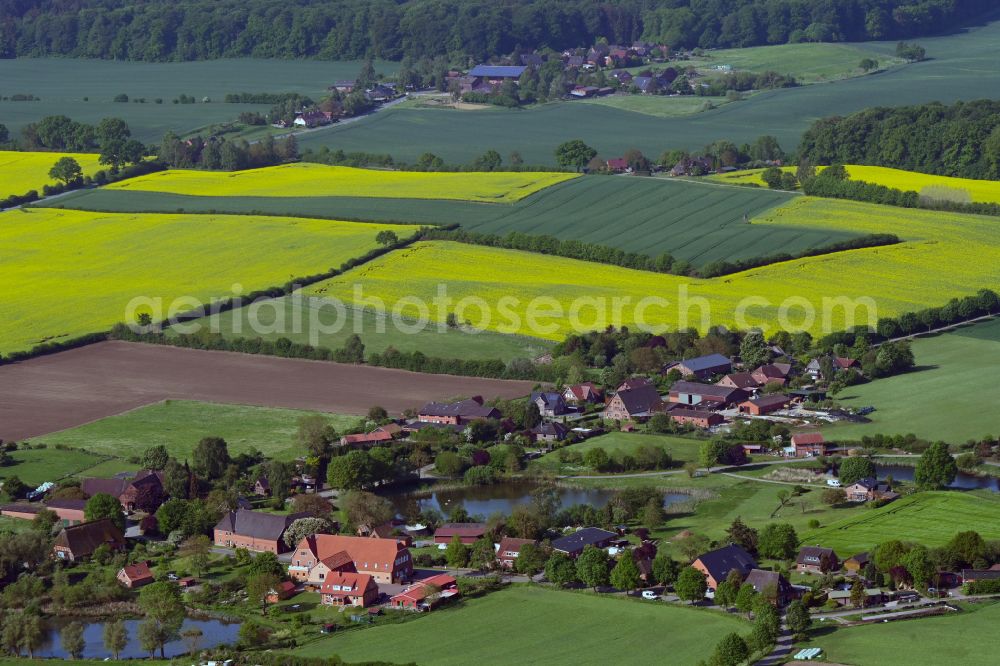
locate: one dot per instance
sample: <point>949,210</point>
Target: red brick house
<point>135,575</point>
<point>320,554</point>
<point>349,589</point>
<point>814,559</point>
<point>468,533</point>
<point>771,581</point>
<point>698,418</point>
<point>740,380</point>
<point>764,404</point>
<point>869,490</point>
<point>639,402</point>
<point>457,413</point>
<point>143,492</point>
<point>426,594</point>
<point>254,530</point>
<point>716,564</point>
<point>772,372</point>
<point>508,550</point>
<point>379,435</point>
<point>78,542</point>
<point>810,444</point>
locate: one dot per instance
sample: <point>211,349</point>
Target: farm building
<point>283,590</point>
<point>581,394</point>
<point>549,404</point>
<point>379,435</point>
<point>457,413</point>
<point>869,490</point>
<point>549,432</point>
<point>699,418</point>
<point>634,403</point>
<point>856,563</point>
<point>80,541</point>
<point>144,491</point>
<point>810,444</point>
<point>426,594</point>
<point>69,511</point>
<point>468,533</point>
<point>694,393</point>
<point>716,564</point>
<point>772,372</point>
<point>764,404</point>
<point>740,380</point>
<point>703,367</point>
<point>254,530</point>
<point>573,544</point>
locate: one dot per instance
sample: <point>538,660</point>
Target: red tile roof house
<point>716,564</point>
<point>740,380</point>
<point>318,555</point>
<point>254,530</point>
<point>814,559</point>
<point>380,435</point>
<point>637,403</point>
<point>80,541</point>
<point>584,393</point>
<point>698,418</point>
<point>426,594</point>
<point>457,413</point>
<point>135,575</point>
<point>617,164</point>
<point>508,549</point>
<point>764,404</point>
<point>349,589</point>
<point>810,444</point>
<point>143,491</point>
<point>772,372</point>
<point>468,533</point>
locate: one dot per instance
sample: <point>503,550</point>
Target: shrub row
<point>102,177</point>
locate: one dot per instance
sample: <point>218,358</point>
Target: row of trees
<point>188,30</point>
<point>111,137</point>
<point>228,155</point>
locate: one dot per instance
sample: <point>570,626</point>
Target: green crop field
<point>955,638</point>
<point>950,368</point>
<point>660,106</point>
<point>681,450</point>
<point>36,466</point>
<point>323,325</point>
<point>929,518</point>
<point>960,66</point>
<point>927,269</point>
<point>85,89</point>
<point>68,273</point>
<point>549,627</point>
<point>180,424</point>
<point>21,172</point>
<point>303,179</point>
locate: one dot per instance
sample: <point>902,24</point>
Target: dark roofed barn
<point>573,544</point>
<point>254,530</point>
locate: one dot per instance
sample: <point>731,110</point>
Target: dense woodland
<point>192,30</point>
<point>958,140</point>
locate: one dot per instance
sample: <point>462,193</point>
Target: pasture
<point>808,62</point>
<point>950,368</point>
<point>681,450</point>
<point>659,106</point>
<point>956,638</point>
<point>551,626</point>
<point>36,466</point>
<point>180,424</point>
<point>927,269</point>
<point>84,89</point>
<point>961,66</point>
<point>21,172</point>
<point>929,518</point>
<point>324,326</point>
<point>68,273</point>
<point>302,179</point>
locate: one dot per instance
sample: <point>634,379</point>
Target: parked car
<point>833,483</point>
<point>650,594</point>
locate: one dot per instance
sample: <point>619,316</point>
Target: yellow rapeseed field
<point>944,255</point>
<point>980,191</point>
<point>23,171</point>
<point>318,180</point>
<point>67,273</point>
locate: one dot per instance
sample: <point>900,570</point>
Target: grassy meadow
<point>36,466</point>
<point>180,424</point>
<point>659,106</point>
<point>681,450</point>
<point>927,269</point>
<point>68,273</point>
<point>929,518</point>
<point>324,326</point>
<point>950,368</point>
<point>553,627</point>
<point>811,62</point>
<point>956,638</point>
<point>307,180</point>
<point>21,172</point>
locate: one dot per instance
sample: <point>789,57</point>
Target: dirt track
<point>64,390</point>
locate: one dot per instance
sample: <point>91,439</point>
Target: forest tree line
<point>348,29</point>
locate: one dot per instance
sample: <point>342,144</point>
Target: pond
<point>962,482</point>
<point>213,634</point>
<point>502,498</point>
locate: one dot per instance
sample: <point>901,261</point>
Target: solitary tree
<point>386,238</point>
<point>72,639</point>
<point>936,468</point>
<point>66,170</point>
<point>731,651</point>
<point>32,636</point>
<point>196,548</point>
<point>691,584</point>
<point>746,598</point>
<point>854,469</point>
<point>210,457</point>
<point>754,350</point>
<point>102,505</point>
<point>797,617</point>
<point>574,153</point>
<point>161,602</point>
<point>115,637</point>
<point>857,593</point>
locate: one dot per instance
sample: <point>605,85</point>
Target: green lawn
<point>376,331</point>
<point>180,424</point>
<point>935,401</point>
<point>36,466</point>
<point>538,625</point>
<point>929,518</point>
<point>957,638</point>
<point>681,449</point>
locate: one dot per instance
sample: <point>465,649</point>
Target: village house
<point>980,575</point>
<point>349,589</point>
<point>549,404</point>
<point>764,404</point>
<point>508,549</point>
<point>145,490</point>
<point>550,431</point>
<point>771,582</point>
<point>582,394</point>
<point>468,533</point>
<point>855,564</point>
<point>261,487</point>
<point>709,396</point>
<point>616,165</point>
<point>426,594</point>
<point>313,118</point>
<point>639,402</point>
<point>345,87</point>
<point>814,559</point>
<point>703,367</point>
<point>740,380</point>
<point>573,544</point>
<point>772,373</point>
<point>814,368</point>
<point>693,166</point>
<point>379,435</point>
<point>320,554</point>
<point>699,418</point>
<point>254,530</point>
<point>135,575</point>
<point>873,597</point>
<point>457,413</point>
<point>869,490</point>
<point>78,542</point>
<point>807,444</point>
<point>716,564</point>
<point>283,590</point>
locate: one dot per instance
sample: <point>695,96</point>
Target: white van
<point>833,483</point>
